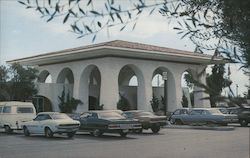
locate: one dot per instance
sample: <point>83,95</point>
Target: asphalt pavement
<point>169,143</point>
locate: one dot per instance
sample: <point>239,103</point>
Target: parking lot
<point>170,142</point>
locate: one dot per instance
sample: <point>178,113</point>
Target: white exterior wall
<point>109,68</point>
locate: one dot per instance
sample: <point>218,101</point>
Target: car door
<point>38,123</point>
<point>83,120</point>
<point>45,121</point>
<point>193,117</point>
<point>34,125</point>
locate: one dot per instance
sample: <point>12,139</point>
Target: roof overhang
<point>102,51</point>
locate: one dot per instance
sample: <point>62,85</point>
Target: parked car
<point>177,113</point>
<point>243,114</point>
<point>147,119</point>
<point>49,123</point>
<point>13,114</point>
<point>99,122</point>
<point>201,116</point>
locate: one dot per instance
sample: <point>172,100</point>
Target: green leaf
<point>99,24</point>
<point>112,8</point>
<point>123,27</point>
<point>21,2</point>
<point>39,9</point>
<point>57,8</point>
<point>47,11</point>
<point>73,13</point>
<point>88,29</point>
<point>129,15</point>
<point>119,17</point>
<point>95,12</point>
<point>90,1</point>
<point>185,34</point>
<point>177,28</point>
<point>111,15</point>
<point>66,18</point>
<point>51,17</point>
<point>134,26</point>
<point>152,11</point>
<point>82,11</point>
<point>93,39</point>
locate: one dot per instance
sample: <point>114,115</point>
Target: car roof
<point>102,111</point>
<point>15,103</point>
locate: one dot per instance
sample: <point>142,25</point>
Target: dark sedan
<point>99,122</point>
<point>147,119</point>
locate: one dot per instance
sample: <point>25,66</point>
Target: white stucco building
<point>98,73</point>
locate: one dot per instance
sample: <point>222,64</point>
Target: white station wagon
<point>49,123</point>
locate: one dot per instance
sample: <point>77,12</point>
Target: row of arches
<point>130,82</point>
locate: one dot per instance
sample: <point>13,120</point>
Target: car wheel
<point>48,132</point>
<point>26,131</point>
<point>172,121</point>
<point>71,134</point>
<point>155,128</point>
<point>243,122</point>
<point>178,122</point>
<point>97,133</point>
<point>123,134</point>
<point>7,129</point>
<point>139,131</point>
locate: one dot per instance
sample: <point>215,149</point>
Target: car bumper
<point>66,130</point>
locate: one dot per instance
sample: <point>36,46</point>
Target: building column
<point>199,93</point>
<point>109,90</point>
<point>145,91</point>
<point>175,92</point>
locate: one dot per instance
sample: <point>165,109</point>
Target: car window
<point>7,109</point>
<point>110,115</point>
<point>42,117</point>
<point>25,110</point>
<point>205,112</point>
<point>85,115</point>
<point>57,116</point>
<point>177,112</point>
<point>1,108</point>
<point>184,111</point>
<point>196,112</point>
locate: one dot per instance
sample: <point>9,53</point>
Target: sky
<point>24,33</point>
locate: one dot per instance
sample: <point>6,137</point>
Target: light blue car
<point>201,116</point>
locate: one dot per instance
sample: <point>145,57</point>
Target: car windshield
<point>110,115</point>
<point>59,116</point>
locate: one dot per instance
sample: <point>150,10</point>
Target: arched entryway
<point>44,77</point>
<point>163,88</point>
<point>130,81</point>
<point>187,89</point>
<point>90,84</point>
<point>65,81</point>
<point>42,103</point>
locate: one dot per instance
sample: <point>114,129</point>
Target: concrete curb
<point>218,128</point>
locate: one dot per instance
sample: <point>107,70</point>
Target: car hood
<point>66,121</point>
